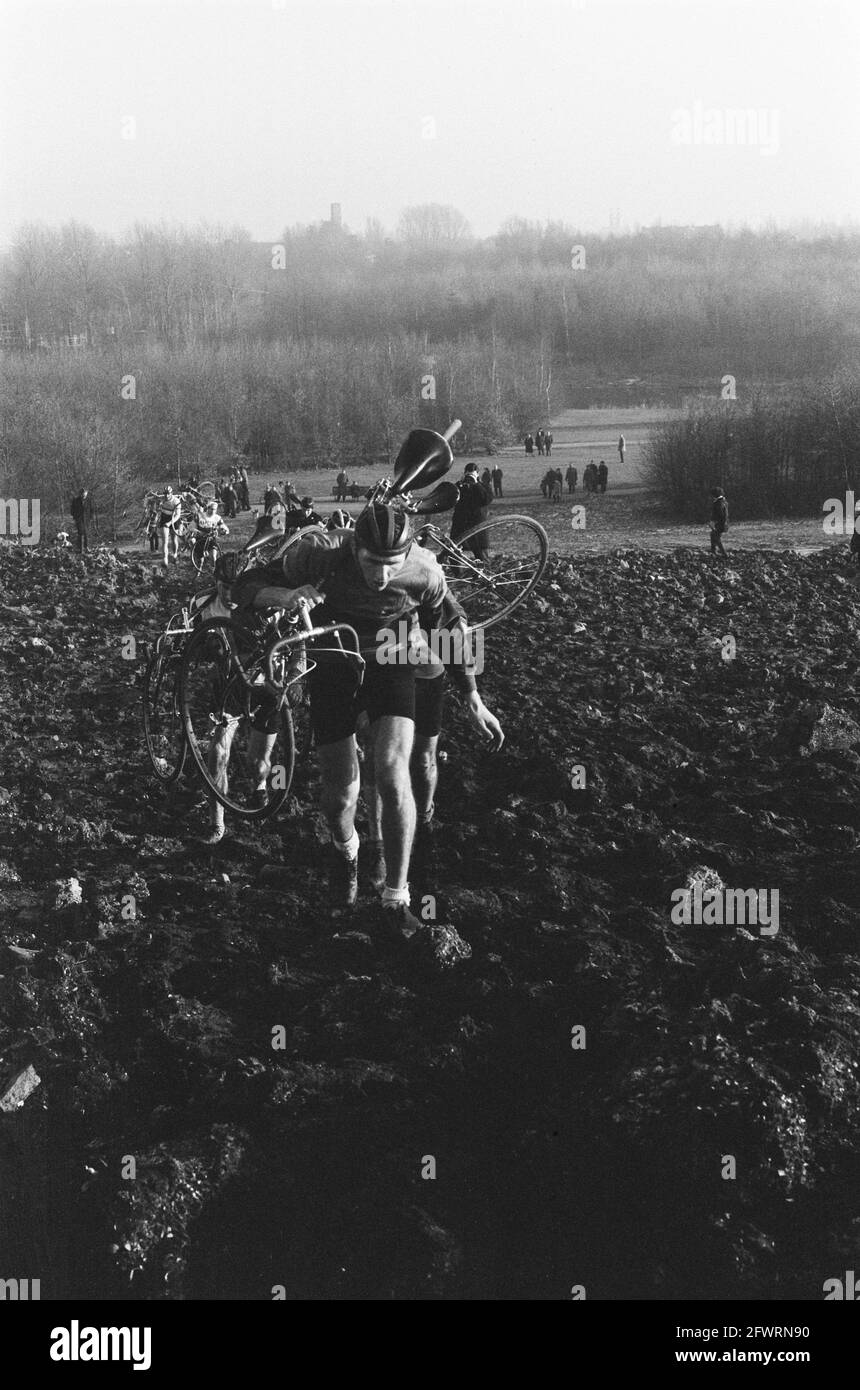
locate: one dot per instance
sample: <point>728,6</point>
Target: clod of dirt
<point>19,1088</point>
<point>834,730</point>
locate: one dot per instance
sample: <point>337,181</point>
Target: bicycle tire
<point>214,697</point>
<point>470,590</point>
<point>166,747</point>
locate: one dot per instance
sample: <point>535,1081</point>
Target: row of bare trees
<point>662,303</point>
<point>778,454</point>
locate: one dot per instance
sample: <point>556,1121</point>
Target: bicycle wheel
<point>206,489</point>
<point>239,740</point>
<point>203,556</point>
<point>493,567</point>
<point>162,720</point>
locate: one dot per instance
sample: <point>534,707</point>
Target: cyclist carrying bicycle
<point>372,578</point>
<point>209,526</point>
<point>169,515</point>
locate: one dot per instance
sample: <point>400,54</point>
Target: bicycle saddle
<point>264,533</point>
<point>424,456</point>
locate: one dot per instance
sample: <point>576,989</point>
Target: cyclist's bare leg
<point>217,761</point>
<point>164,532</point>
<point>424,770</point>
<point>393,737</point>
<point>341,783</point>
<point>260,749</point>
<point>425,775</point>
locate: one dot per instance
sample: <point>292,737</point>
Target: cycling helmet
<point>339,521</point>
<point>383,530</point>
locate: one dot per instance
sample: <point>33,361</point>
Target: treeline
<point>121,420</point>
<point>665,302</point>
<point>780,454</point>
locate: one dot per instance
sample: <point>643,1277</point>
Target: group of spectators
<point>595,478</point>
<point>492,478</point>
<point>542,441</point>
<point>232,492</point>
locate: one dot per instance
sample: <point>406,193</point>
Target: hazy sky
<point>263,112</point>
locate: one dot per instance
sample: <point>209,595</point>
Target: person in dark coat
<point>242,489</point>
<point>496,475</point>
<point>470,509</point>
<point>83,515</point>
<point>303,515</point>
<point>602,476</point>
<point>230,500</point>
<point>719,520</point>
<point>539,442</point>
<point>530,443</point>
<point>271,499</point>
<point>487,479</point>
<point>571,475</point>
<point>547,442</point>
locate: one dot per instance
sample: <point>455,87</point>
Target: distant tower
<point>335,215</point>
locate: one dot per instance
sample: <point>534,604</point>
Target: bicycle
<point>231,680</point>
<point>230,684</point>
<point>490,569</point>
<point>164,733</point>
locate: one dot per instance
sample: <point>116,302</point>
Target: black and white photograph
<point>429,655</point>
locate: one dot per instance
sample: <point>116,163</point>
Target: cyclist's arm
<point>440,609</point>
<point>283,583</point>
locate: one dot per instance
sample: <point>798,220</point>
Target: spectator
<point>342,481</point>
<point>487,479</point>
<point>244,494</point>
<point>271,499</point>
<point>547,442</point>
<point>621,447</point>
<point>539,442</point>
<point>544,484</point>
<point>590,478</point>
<point>530,443</point>
<point>571,475</point>
<point>231,501</point>
<point>83,515</point>
<point>470,509</point>
<point>496,476</point>
<point>719,521</point>
<point>303,515</point>
<point>602,476</point>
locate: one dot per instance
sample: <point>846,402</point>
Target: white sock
<point>348,848</point>
<point>393,897</point>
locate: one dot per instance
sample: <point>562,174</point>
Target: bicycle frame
<point>264,661</point>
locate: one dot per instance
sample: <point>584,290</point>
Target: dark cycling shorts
<point>337,699</point>
<point>429,703</point>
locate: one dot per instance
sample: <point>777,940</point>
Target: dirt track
<point>555,1166</point>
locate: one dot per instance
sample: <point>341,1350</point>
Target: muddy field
<point>170,1151</point>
